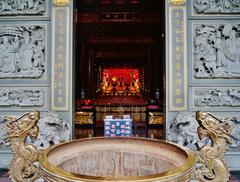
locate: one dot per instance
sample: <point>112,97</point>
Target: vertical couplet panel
<point>60,57</point>
<point>177,55</point>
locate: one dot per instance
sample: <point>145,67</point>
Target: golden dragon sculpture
<point>22,167</point>
<point>213,167</point>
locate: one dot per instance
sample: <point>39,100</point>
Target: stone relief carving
<point>2,131</point>
<point>22,7</point>
<point>216,6</point>
<point>183,130</point>
<point>217,51</point>
<point>53,130</point>
<point>22,52</point>
<point>235,122</point>
<point>215,97</point>
<point>21,97</point>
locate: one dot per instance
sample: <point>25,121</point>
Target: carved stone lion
<point>53,130</point>
<point>183,130</point>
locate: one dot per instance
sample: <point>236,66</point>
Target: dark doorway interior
<point>120,61</point>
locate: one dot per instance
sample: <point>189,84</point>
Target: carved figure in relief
<point>38,55</point>
<point>221,59</point>
<point>217,51</point>
<point>26,53</point>
<point>23,54</point>
<point>9,54</point>
<point>22,7</point>
<point>216,6</point>
<point>232,51</point>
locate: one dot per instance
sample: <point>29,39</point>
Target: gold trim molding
<point>61,2</point>
<point>177,2</point>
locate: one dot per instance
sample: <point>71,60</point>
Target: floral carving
<point>21,97</point>
<point>215,97</point>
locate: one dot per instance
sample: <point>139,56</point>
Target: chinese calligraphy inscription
<point>177,59</point>
<point>60,65</point>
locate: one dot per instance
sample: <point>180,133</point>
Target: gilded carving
<point>23,51</point>
<point>177,2</point>
<point>155,118</point>
<point>21,97</point>
<point>23,7</point>
<point>216,7</point>
<point>211,157</point>
<point>217,51</point>
<point>84,118</point>
<point>217,97</point>
<point>22,167</point>
<point>61,2</point>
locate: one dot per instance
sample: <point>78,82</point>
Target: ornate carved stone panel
<point>22,7</point>
<point>216,50</point>
<point>21,97</point>
<point>217,97</point>
<point>23,51</point>
<point>216,6</point>
<point>2,130</point>
<point>183,130</point>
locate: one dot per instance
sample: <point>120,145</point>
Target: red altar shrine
<point>120,81</point>
<point>120,65</point>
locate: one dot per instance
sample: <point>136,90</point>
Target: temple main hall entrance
<point>120,68</point>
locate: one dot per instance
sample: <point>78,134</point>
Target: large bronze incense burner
<point>118,159</point>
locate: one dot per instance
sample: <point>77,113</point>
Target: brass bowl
<point>117,159</point>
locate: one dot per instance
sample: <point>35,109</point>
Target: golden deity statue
<point>134,86</point>
<point>107,87</point>
<point>120,88</point>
